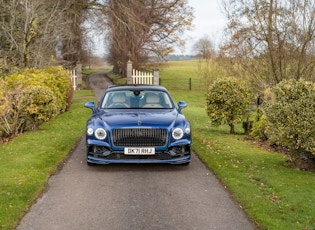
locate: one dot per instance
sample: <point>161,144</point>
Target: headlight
<point>100,134</point>
<point>177,133</point>
<point>89,131</point>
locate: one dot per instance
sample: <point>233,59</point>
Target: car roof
<point>136,87</point>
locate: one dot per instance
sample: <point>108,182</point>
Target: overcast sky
<point>209,21</point>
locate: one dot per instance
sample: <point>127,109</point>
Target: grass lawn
<point>273,195</point>
<point>29,160</point>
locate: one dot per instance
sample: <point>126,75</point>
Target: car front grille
<point>139,137</point>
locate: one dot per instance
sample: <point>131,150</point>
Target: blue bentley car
<point>137,124</point>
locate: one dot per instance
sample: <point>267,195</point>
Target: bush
<point>11,121</point>
<point>4,103</point>
<point>259,129</point>
<point>55,78</point>
<point>4,106</point>
<point>39,104</point>
<point>32,97</point>
<point>63,83</point>
<point>25,108</point>
<point>290,117</point>
<point>228,102</point>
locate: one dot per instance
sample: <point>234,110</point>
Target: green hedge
<point>288,118</point>
<point>55,78</point>
<point>31,97</point>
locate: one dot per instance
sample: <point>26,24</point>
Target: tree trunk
<point>232,129</point>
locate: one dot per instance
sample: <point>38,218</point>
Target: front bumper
<point>178,154</point>
<point>179,160</point>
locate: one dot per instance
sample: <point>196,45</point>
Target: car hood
<point>144,118</point>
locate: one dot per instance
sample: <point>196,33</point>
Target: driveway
<point>133,197</point>
<point>98,82</point>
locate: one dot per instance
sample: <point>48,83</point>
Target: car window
<point>138,99</point>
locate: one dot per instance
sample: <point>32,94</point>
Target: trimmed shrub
<point>25,108</point>
<point>39,105</point>
<point>4,103</point>
<point>290,117</point>
<point>12,121</point>
<point>228,102</point>
<point>32,97</point>
<point>4,106</point>
<point>259,129</point>
<point>55,78</point>
<point>63,83</point>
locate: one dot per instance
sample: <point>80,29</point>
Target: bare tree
<point>274,37</point>
<point>142,28</point>
<point>204,50</point>
<point>23,25</point>
<point>73,39</point>
<point>32,31</point>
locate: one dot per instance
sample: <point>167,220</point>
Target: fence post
<point>78,74</point>
<point>73,78</point>
<point>190,83</point>
<point>129,72</point>
<point>156,77</point>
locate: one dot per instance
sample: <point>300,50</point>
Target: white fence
<point>139,77</point>
<point>73,79</point>
<point>76,76</point>
<point>135,77</point>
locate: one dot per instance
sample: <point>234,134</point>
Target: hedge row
<point>287,118</point>
<point>31,97</point>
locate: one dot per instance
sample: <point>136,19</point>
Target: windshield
<point>137,99</point>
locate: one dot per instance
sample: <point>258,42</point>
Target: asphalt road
<point>133,197</point>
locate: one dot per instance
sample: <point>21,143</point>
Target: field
<point>273,195</point>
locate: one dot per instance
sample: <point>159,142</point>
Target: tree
<point>207,67</point>
<point>35,32</point>
<point>72,47</point>
<point>273,37</point>
<point>144,28</point>
<point>32,31</point>
<point>228,102</point>
<point>204,48</point>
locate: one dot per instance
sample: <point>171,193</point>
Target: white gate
<point>135,77</point>
<point>139,77</point>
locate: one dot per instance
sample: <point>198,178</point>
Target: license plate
<point>139,151</point>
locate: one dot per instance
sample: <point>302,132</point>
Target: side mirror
<point>90,105</point>
<point>181,105</point>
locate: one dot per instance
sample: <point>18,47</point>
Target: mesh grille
<point>139,137</point>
